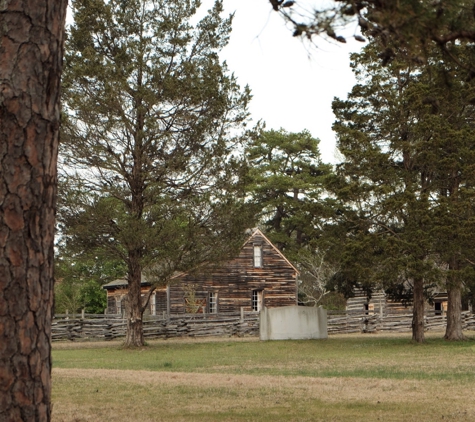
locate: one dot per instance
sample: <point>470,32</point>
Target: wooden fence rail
<point>110,327</point>
<point>357,323</point>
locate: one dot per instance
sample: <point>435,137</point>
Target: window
<point>369,308</point>
<point>257,256</point>
<point>256,300</point>
<point>153,304</point>
<point>121,305</point>
<point>213,302</point>
<point>111,305</point>
<point>161,302</point>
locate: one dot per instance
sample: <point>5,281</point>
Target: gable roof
<point>257,231</point>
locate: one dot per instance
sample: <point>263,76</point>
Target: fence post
<point>242,313</point>
<point>82,313</point>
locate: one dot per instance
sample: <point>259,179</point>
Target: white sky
<point>293,85</point>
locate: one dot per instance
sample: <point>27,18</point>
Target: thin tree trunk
<point>454,312</point>
<point>453,330</point>
<point>418,311</point>
<point>31,49</point>
<point>134,308</point>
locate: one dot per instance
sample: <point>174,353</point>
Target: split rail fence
<point>110,327</point>
<point>358,323</point>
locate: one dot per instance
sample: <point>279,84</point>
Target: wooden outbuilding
<point>380,304</point>
<point>259,276</point>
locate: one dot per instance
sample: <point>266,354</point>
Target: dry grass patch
<point>101,395</point>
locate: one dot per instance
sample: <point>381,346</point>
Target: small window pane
<point>213,302</point>
<point>257,256</point>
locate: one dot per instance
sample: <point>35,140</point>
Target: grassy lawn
<point>357,378</point>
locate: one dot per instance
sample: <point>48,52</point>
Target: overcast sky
<point>292,85</point>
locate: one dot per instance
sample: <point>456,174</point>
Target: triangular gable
<point>257,231</point>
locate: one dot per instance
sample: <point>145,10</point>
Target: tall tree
<point>31,49</point>
<point>450,116</point>
<point>287,182</point>
<point>397,131</point>
<point>153,120</point>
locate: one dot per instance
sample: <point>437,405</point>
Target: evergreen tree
<point>287,182</point>
<point>396,131</point>
<point>449,115</point>
<point>153,121</point>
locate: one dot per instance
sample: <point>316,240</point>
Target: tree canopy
<point>408,168</point>
<point>154,122</point>
<point>287,183</point>
<point>414,26</point>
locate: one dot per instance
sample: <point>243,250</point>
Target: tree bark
<point>418,311</point>
<point>134,336</point>
<point>31,49</point>
<point>453,330</point>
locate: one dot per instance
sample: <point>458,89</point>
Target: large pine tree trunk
<point>31,44</point>
<point>418,311</point>
<point>134,308</point>
<point>454,311</point>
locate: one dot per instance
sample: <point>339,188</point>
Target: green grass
<point>365,357</point>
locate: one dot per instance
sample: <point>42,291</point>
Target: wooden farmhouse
<point>259,276</point>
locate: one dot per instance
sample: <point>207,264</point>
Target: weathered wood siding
<point>359,303</point>
<point>379,304</point>
<point>236,279</point>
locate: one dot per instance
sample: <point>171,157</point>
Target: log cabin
<point>380,304</point>
<point>259,276</point>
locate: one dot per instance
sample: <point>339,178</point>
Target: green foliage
<point>73,297</point>
<point>67,297</point>
<point>152,128</point>
<point>79,282</point>
<point>94,297</point>
<point>287,182</point>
